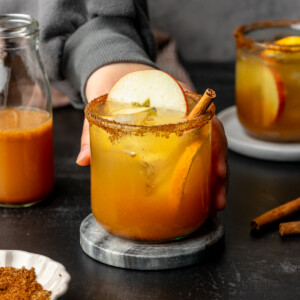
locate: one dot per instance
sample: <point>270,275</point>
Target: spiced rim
<point>164,128</point>
<point>242,40</point>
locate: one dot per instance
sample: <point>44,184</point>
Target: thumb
<point>84,155</point>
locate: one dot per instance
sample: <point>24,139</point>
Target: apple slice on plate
<point>161,89</point>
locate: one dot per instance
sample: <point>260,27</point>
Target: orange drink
<point>26,156</point>
<point>150,170</point>
<point>267,79</point>
<point>26,143</point>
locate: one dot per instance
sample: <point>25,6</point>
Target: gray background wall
<point>203,28</point>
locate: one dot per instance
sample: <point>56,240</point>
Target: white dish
<point>240,142</point>
<point>50,274</point>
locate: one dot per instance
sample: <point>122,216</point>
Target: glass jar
<point>26,139</point>
<point>268,79</point>
<point>149,183</point>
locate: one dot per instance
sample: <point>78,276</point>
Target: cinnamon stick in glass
<point>203,104</point>
<point>289,228</point>
<point>277,214</point>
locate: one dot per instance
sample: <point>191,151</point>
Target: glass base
<point>149,241</point>
<point>21,205</point>
<point>268,137</point>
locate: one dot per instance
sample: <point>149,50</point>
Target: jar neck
<point>15,28</point>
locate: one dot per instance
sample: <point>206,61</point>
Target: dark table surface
<point>245,266</point>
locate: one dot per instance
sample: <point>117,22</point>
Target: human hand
<point>220,169</point>
<point>219,163</point>
<point>100,83</point>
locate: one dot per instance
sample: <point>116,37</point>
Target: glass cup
<point>26,141</point>
<point>149,183</point>
<point>268,79</point>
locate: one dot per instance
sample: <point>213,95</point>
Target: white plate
<point>240,142</point>
<point>49,273</point>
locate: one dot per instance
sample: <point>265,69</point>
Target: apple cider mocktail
<point>150,170</point>
<point>268,81</point>
<point>26,156</point>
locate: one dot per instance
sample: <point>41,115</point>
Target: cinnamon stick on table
<point>277,214</point>
<point>203,104</point>
<point>289,228</point>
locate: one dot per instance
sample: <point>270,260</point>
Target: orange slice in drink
<point>181,173</point>
<point>289,41</point>
<point>293,43</point>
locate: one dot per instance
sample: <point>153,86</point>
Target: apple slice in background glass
<point>157,87</point>
<point>273,81</point>
<point>273,94</point>
<point>266,86</point>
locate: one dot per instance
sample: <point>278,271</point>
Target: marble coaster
<point>129,254</point>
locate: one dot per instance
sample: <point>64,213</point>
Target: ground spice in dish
<point>21,284</point>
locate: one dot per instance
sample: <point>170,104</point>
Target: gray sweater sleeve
<point>78,37</point>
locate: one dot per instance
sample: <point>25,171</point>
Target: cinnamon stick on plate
<point>289,228</point>
<point>277,214</point>
<point>203,104</point>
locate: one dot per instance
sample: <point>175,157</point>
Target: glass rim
<point>164,129</point>
<point>17,26</point>
<point>241,39</point>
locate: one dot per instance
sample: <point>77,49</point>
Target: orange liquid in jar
<point>26,155</point>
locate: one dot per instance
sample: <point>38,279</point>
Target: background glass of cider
<point>149,183</point>
<point>268,79</point>
<point>26,140</point>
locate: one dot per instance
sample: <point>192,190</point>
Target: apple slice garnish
<point>264,83</point>
<point>161,89</point>
<point>135,115</point>
<point>273,83</point>
<point>131,111</point>
<point>273,95</point>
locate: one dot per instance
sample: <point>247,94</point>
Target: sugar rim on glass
<point>243,41</point>
<point>112,126</point>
